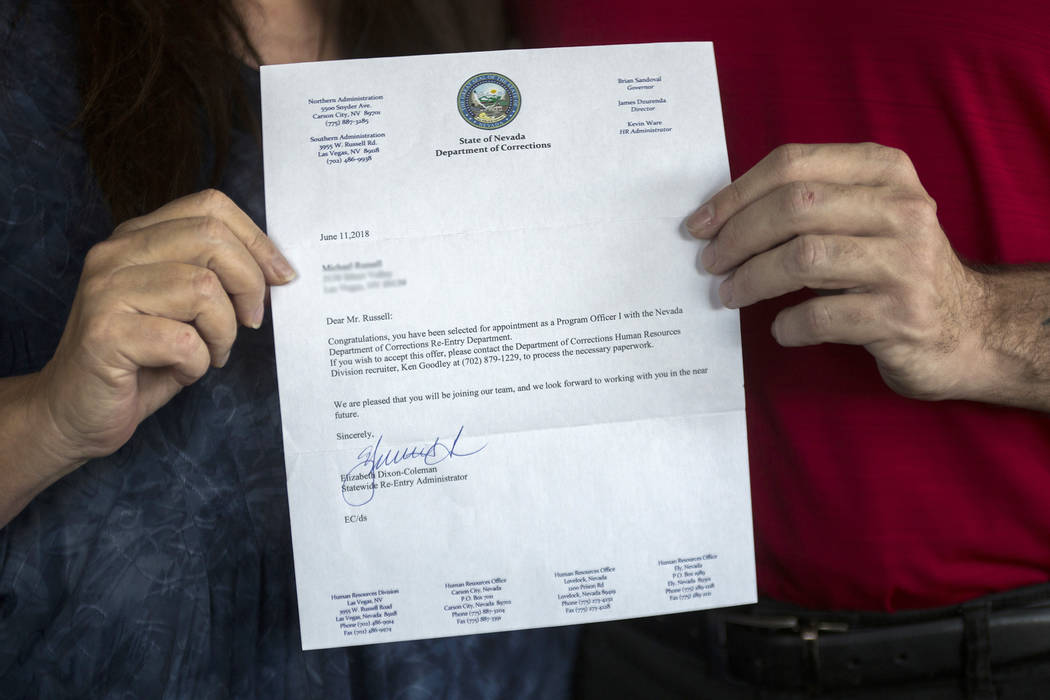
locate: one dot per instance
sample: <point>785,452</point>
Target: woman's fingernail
<point>257,317</point>
<point>283,270</point>
<point>701,219</point>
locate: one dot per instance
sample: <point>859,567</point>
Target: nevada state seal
<point>489,100</point>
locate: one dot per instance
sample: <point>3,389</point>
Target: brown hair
<point>161,86</point>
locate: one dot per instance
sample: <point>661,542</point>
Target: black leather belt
<point>771,647</point>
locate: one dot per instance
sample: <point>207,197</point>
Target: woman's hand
<point>158,304</point>
<point>855,220</point>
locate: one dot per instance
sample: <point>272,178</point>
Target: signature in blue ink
<point>359,484</point>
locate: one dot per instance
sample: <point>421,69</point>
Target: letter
<point>499,342</point>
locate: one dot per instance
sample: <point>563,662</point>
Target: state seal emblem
<point>489,100</point>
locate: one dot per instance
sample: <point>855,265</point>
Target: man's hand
<point>855,222</point>
<point>158,303</point>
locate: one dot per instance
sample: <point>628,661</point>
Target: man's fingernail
<point>707,257</point>
<point>283,270</point>
<point>701,219</point>
<point>225,359</point>
<point>725,292</point>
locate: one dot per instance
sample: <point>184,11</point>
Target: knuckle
<point>206,284</point>
<point>212,200</point>
<point>211,230</point>
<point>896,156</point>
<point>185,341</point>
<point>801,198</point>
<point>877,151</point>
<point>189,347</point>
<point>809,254</point>
<point>100,255</point>
<point>899,163</point>
<point>915,212</point>
<point>788,159</point>
<point>925,209</point>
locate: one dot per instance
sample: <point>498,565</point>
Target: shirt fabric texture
<point>864,499</point>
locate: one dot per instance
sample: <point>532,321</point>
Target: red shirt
<point>864,499</point>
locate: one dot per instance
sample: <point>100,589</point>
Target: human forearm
<point>31,458</point>
<point>1015,338</point>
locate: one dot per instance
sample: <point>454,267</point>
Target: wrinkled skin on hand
<point>853,222</point>
<point>158,304</point>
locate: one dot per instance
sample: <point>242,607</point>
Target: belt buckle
<point>808,630</point>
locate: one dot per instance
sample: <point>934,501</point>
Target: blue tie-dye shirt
<point>165,570</point>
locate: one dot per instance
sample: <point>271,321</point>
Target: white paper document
<point>507,396</point>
